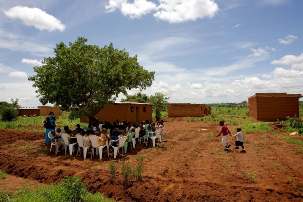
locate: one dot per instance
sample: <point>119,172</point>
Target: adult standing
<point>49,125</point>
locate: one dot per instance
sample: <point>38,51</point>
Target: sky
<point>202,51</point>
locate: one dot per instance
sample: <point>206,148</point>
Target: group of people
<point>105,131</point>
<point>225,132</point>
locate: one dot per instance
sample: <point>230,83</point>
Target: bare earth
<point>190,166</point>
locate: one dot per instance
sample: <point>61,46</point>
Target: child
<point>224,131</point>
<point>239,140</point>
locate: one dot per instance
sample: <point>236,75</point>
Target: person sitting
<point>103,138</point>
<point>114,136</point>
<point>86,140</point>
<point>78,129</point>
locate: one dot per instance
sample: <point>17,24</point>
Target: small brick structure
<point>273,106</point>
<point>188,110</point>
<point>40,111</point>
<point>125,111</point>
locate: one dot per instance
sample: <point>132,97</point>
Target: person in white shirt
<point>239,140</point>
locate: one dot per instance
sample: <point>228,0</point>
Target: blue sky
<point>202,51</point>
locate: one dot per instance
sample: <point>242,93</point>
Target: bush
<point>139,168</point>
<point>112,170</point>
<point>4,197</point>
<point>9,113</point>
<point>126,171</point>
<point>293,124</point>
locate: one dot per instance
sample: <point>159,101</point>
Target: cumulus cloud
<point>289,39</point>
<point>133,10</point>
<point>35,17</point>
<point>177,11</point>
<point>18,75</point>
<point>172,11</point>
<point>32,62</point>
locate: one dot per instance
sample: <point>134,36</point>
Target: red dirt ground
<point>190,166</point>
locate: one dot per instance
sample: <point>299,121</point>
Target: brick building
<point>125,111</point>
<point>40,111</point>
<point>273,106</point>
<point>187,110</point>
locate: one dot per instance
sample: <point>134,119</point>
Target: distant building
<point>40,111</point>
<point>125,111</point>
<point>188,110</point>
<point>273,106</point>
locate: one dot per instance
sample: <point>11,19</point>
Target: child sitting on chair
<point>239,140</point>
<point>224,131</point>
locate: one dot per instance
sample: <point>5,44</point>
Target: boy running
<point>224,131</point>
<point>239,140</point>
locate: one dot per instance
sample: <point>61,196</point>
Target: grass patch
<point>292,140</point>
<point>3,175</point>
<point>71,189</point>
<point>36,123</point>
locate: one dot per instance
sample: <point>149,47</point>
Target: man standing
<point>49,125</point>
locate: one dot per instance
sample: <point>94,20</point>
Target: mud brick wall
<point>123,112</point>
<point>188,110</point>
<point>275,107</point>
<point>45,110</point>
<point>28,112</point>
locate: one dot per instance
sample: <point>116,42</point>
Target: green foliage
<point>4,197</point>
<point>85,77</point>
<point>71,189</point>
<point>9,111</point>
<point>126,172</point>
<point>112,170</point>
<point>293,124</point>
<point>139,97</point>
<point>3,175</point>
<point>138,170</point>
<point>159,102</point>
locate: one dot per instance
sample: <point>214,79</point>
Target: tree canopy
<point>84,77</point>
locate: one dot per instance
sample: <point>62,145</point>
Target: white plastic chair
<point>137,133</point>
<point>121,142</point>
<point>94,140</point>
<point>70,147</point>
<point>80,145</point>
<point>53,143</point>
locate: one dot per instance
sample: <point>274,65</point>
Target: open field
<point>190,166</point>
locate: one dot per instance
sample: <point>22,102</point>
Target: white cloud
<point>236,26</point>
<point>256,55</point>
<point>18,75</point>
<point>289,39</point>
<point>133,10</point>
<point>35,17</point>
<point>172,11</point>
<point>177,11</point>
<point>292,61</point>
<point>32,62</point>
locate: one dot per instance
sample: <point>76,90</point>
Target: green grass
<point>69,190</point>
<point>236,116</point>
<point>3,175</point>
<point>292,140</point>
<point>36,123</point>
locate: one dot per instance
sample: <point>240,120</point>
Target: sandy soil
<point>190,166</point>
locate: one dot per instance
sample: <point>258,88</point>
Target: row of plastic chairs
<point>117,145</point>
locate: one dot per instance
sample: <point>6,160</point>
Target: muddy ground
<point>189,166</point>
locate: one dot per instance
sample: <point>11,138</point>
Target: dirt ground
<point>189,166</point>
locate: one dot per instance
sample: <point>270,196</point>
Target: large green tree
<point>84,77</point>
<point>159,102</point>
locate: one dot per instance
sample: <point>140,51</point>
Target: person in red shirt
<point>224,132</point>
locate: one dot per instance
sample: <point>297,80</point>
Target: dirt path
<point>190,165</point>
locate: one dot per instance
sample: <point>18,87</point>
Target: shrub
<point>293,124</point>
<point>9,113</point>
<point>126,171</point>
<point>139,168</point>
<point>4,197</point>
<point>3,175</point>
<point>112,170</point>
<point>73,189</point>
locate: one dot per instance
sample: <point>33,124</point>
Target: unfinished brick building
<point>126,111</point>
<point>187,110</point>
<point>273,106</point>
<point>40,111</point>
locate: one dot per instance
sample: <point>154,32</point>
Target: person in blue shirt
<point>49,125</point>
